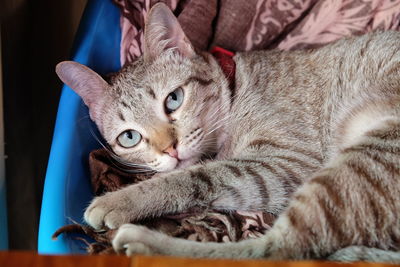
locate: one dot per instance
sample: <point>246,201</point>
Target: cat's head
<point>164,110</point>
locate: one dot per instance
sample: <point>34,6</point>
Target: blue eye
<point>174,100</point>
<point>129,138</point>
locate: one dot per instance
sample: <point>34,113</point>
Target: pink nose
<point>171,151</point>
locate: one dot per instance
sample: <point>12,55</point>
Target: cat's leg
<point>134,239</point>
<point>354,201</point>
<point>248,183</point>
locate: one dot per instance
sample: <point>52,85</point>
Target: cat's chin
<point>181,164</point>
<point>186,163</point>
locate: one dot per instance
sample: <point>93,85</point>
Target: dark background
<point>35,36</point>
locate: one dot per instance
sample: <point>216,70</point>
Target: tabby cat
<point>311,135</point>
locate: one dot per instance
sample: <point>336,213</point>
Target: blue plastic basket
<point>67,188</point>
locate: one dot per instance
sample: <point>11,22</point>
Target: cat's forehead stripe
<point>150,92</point>
<point>121,116</point>
<point>125,104</point>
<point>201,81</point>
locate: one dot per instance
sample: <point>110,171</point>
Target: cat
<point>311,135</point>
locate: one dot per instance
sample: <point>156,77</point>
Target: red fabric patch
<point>228,66</point>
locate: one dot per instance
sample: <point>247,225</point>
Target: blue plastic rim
<point>67,189</point>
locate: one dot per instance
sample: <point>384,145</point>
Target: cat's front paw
<point>135,239</point>
<point>109,210</point>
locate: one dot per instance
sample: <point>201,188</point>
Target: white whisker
<point>137,168</point>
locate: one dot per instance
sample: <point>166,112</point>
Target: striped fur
<point>311,135</point>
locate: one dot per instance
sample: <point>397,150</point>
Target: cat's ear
<point>85,82</point>
<point>163,32</point>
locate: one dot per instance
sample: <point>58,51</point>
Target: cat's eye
<point>129,138</point>
<point>174,100</point>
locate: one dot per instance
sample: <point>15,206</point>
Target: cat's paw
<point>109,210</point>
<point>135,239</point>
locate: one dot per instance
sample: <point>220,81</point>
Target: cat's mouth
<point>183,163</point>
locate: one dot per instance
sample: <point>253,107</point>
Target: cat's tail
<point>361,253</point>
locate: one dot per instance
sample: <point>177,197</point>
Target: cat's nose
<point>171,150</point>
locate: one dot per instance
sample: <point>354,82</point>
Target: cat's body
<point>321,125</point>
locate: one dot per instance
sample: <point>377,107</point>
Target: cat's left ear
<point>163,32</point>
<point>89,85</point>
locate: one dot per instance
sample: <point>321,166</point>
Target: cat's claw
<point>103,212</point>
<point>135,239</point>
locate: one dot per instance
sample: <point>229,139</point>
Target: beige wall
<point>35,36</point>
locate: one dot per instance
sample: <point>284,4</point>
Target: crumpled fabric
<point>244,25</point>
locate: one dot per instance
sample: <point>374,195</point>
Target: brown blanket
<point>200,225</point>
<point>243,25</point>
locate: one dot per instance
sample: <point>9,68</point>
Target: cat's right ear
<point>163,32</point>
<point>85,82</point>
